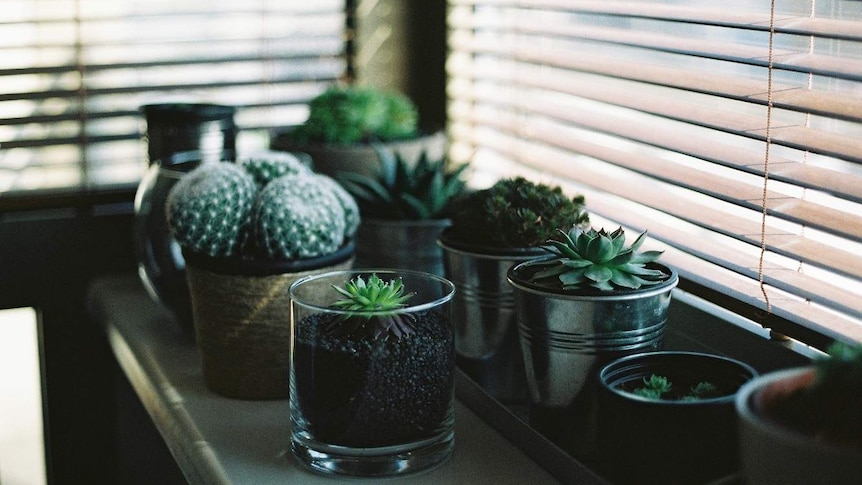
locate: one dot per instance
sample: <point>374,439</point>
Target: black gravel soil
<point>360,392</point>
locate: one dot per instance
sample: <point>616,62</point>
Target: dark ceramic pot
<point>669,441</point>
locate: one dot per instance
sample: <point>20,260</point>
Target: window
<point>659,113</point>
<point>75,73</point>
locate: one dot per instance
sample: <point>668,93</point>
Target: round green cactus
<point>296,216</point>
<point>209,209</point>
<point>348,203</point>
<point>269,165</point>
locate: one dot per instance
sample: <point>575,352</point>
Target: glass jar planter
<point>365,403</point>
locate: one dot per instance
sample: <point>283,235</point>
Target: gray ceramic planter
<point>772,453</point>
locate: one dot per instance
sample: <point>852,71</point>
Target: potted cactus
<point>404,208</point>
<point>656,405</point>
<point>344,120</point>
<point>248,230</point>
<point>591,300</point>
<point>372,371</point>
<point>804,425</point>
<point>492,230</point>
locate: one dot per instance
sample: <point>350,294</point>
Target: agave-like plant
<point>371,305</point>
<point>601,260</point>
<point>402,192</point>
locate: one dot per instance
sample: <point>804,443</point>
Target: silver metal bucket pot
<point>565,341</point>
<point>486,339</point>
<point>565,337</point>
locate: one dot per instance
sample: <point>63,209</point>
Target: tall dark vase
<point>179,137</point>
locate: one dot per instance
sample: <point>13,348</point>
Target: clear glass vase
<point>367,405</point>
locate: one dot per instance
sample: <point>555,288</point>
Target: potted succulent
<point>804,425</point>
<point>404,208</point>
<point>344,120</point>
<point>591,300</point>
<point>372,371</point>
<point>493,229</point>
<point>670,413</point>
<point>247,230</point>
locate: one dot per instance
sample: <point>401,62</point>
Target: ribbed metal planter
<point>484,303</point>
<point>486,339</point>
<point>566,337</point>
<point>399,244</point>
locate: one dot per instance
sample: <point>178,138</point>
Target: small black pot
<point>669,441</point>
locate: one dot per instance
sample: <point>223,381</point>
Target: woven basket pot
<point>241,314</point>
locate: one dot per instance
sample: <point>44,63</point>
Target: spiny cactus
<point>298,217</point>
<point>219,210</point>
<point>515,213</point>
<point>269,165</point>
<point>348,203</point>
<point>210,208</point>
<point>372,306</point>
<point>402,192</point>
<point>347,115</point>
<point>601,260</point>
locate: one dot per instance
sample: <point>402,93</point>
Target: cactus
<point>269,165</point>
<point>269,207</point>
<point>210,208</point>
<point>298,217</point>
<point>515,213</point>
<point>348,203</point>
<point>348,115</point>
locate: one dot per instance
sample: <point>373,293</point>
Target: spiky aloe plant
<point>402,192</point>
<point>371,305</point>
<point>600,260</point>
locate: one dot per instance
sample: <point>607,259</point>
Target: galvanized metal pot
<point>567,336</point>
<point>486,339</point>
<point>400,244</point>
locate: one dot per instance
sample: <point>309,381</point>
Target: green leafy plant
<point>654,387</point>
<point>344,115</point>
<point>514,213</point>
<point>371,306</point>
<point>660,388</point>
<point>600,260</point>
<point>402,192</point>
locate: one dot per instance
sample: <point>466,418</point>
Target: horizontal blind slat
<point>785,23</point>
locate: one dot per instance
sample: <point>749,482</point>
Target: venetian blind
<point>75,72</point>
<point>657,112</point>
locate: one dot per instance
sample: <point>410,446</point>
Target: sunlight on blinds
<point>656,111</point>
<point>76,72</point>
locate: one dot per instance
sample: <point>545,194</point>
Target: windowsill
<point>220,440</point>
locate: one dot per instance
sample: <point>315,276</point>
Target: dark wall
<point>47,258</point>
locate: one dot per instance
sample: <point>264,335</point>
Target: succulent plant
<point>600,260</point>
<point>371,305</point>
<point>298,217</point>
<point>347,115</point>
<point>402,192</point>
<point>209,209</point>
<point>269,165</point>
<point>654,387</point>
<point>267,207</point>
<point>514,213</point>
<point>659,388</point>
